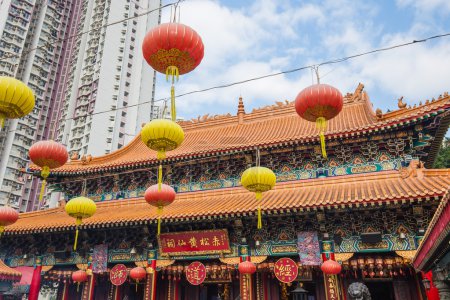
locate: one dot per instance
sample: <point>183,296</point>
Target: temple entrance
<point>209,292</point>
<point>381,289</point>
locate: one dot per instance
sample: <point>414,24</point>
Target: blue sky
<point>245,39</point>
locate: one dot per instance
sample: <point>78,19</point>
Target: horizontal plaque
<point>194,242</point>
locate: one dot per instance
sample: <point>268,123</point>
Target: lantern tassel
<point>159,178</point>
<point>2,120</point>
<point>160,211</point>
<point>321,124</point>
<point>173,74</point>
<point>259,197</point>
<point>78,223</point>
<point>2,228</point>
<point>259,217</point>
<point>44,173</point>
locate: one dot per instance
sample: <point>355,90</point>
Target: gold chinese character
<point>193,242</point>
<point>204,241</point>
<point>170,243</point>
<point>216,241</point>
<point>181,243</point>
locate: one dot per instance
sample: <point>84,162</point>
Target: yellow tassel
<point>2,228</point>
<point>160,211</point>
<point>259,218</point>
<point>159,178</point>
<point>2,120</point>
<point>41,194</point>
<point>321,124</point>
<point>78,222</point>
<point>76,240</point>
<point>259,197</point>
<point>173,110</point>
<point>161,154</point>
<point>44,174</point>
<point>136,284</point>
<point>78,287</point>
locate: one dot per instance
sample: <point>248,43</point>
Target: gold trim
<point>230,260</point>
<point>343,256</point>
<point>82,266</point>
<point>161,263</point>
<point>46,268</point>
<point>409,254</point>
<point>258,259</point>
<point>142,263</point>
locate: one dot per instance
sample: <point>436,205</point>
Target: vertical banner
<point>100,259</point>
<point>331,287</point>
<point>245,281</point>
<point>308,248</point>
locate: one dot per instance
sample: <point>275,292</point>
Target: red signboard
<point>331,287</point>
<point>194,242</point>
<point>196,273</point>
<point>118,274</point>
<point>286,270</point>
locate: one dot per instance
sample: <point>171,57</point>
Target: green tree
<point>443,157</point>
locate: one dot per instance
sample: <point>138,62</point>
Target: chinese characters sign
<point>194,242</point>
<point>286,270</point>
<point>196,273</point>
<point>331,287</point>
<point>118,274</point>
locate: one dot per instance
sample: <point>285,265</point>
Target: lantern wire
<point>226,85</point>
<point>10,55</point>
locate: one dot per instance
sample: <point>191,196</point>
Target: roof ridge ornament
<point>241,111</point>
<point>400,103</point>
<point>414,169</point>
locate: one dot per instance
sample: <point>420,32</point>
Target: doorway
<point>381,290</point>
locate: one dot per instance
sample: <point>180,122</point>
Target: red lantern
<point>319,103</point>
<point>79,277</point>
<point>160,195</point>
<point>173,45</point>
<point>137,274</point>
<point>331,267</point>
<point>247,267</point>
<point>173,49</point>
<point>48,155</point>
<point>8,216</point>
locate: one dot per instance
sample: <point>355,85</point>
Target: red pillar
<point>35,285</point>
<point>65,291</point>
<point>88,290</point>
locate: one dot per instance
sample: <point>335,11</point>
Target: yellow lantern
<point>258,180</point>
<point>16,99</point>
<point>80,208</point>
<point>162,135</point>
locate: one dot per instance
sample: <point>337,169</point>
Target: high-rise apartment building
<point>106,75</point>
<point>75,78</point>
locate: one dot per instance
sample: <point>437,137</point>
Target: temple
<point>367,206</point>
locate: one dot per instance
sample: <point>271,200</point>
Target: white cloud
<point>426,6</point>
<point>270,36</point>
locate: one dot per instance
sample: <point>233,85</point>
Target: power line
<point>6,56</point>
<point>329,62</point>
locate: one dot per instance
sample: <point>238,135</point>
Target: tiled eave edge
<point>438,230</point>
<point>238,214</point>
<point>313,139</point>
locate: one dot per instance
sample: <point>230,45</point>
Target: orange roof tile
<point>349,191</point>
<point>7,273</point>
<point>276,124</point>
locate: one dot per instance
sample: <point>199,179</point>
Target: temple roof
<point>7,273</point>
<point>265,127</point>
<point>410,184</point>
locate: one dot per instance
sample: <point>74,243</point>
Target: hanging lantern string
<point>78,223</point>
<point>159,177</point>
<point>321,122</point>
<point>258,195</point>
